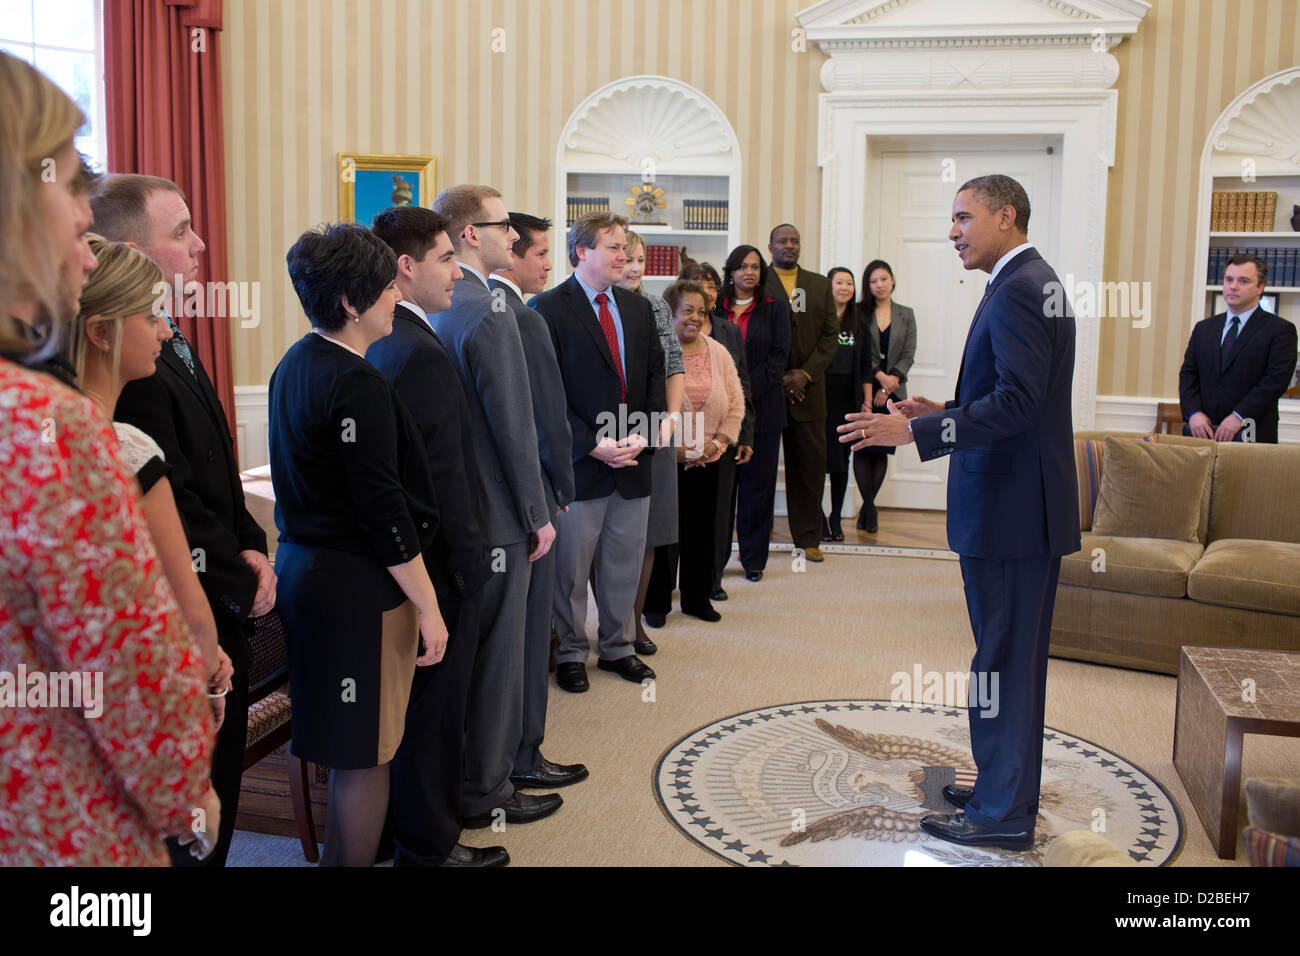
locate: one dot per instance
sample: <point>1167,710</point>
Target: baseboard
<point>1113,413</point>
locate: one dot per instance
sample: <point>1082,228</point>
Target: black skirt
<point>352,638</point>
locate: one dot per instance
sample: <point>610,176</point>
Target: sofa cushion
<point>1153,566</point>
<point>1088,457</point>
<point>1250,574</point>
<point>1274,804</point>
<point>1270,849</point>
<point>1254,492</point>
<point>1154,490</point>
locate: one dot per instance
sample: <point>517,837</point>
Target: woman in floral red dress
<point>105,730</point>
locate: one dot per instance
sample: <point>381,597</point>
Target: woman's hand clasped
<point>433,633</point>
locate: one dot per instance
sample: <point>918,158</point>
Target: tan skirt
<point>399,643</point>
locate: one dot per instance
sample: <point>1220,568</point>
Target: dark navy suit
<point>1012,513</point>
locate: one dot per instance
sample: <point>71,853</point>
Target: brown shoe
<point>814,554</point>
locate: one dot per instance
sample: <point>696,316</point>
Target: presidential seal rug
<point>846,783</point>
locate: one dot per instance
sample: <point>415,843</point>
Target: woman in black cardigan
<point>844,393</point>
<point>765,325</point>
<point>355,507</point>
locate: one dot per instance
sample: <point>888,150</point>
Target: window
<point>64,40</point>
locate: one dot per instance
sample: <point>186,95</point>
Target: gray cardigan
<point>902,345</point>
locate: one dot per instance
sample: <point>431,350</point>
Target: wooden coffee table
<point>1214,710</point>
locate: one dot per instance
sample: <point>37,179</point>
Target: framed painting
<point>371,182</point>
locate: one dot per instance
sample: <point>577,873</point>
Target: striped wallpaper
<point>306,79</point>
<point>1187,62</point>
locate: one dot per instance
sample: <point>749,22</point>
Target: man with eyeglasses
<point>483,342</point>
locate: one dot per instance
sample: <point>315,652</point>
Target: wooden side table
<point>1214,710</point>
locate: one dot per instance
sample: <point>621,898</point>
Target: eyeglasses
<point>504,223</point>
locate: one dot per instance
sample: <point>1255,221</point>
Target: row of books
<point>661,260</point>
<point>578,206</point>
<point>1283,265</point>
<point>704,214</point>
<point>1242,211</point>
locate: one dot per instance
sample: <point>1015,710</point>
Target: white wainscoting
<point>251,425</point>
<point>1138,414</point>
<point>1113,412</point>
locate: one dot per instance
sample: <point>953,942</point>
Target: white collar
<point>508,282</point>
<point>338,342</point>
<point>413,307</point>
<point>474,272</point>
<point>1008,257</point>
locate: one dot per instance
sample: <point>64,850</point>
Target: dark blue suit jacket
<point>1012,489</point>
<point>1258,371</point>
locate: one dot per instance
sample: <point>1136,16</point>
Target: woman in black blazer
<point>844,393</point>
<point>355,507</point>
<point>885,363</point>
<point>765,324</point>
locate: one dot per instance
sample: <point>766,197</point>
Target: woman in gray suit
<point>885,364</point>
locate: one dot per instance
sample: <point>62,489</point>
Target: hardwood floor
<point>899,528</point>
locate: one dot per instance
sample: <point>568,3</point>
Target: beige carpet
<point>841,629</point>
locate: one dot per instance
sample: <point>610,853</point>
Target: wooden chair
<point>1169,414</point>
<point>269,725</point>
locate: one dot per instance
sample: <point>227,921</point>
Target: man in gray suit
<point>485,347</point>
<point>526,275</point>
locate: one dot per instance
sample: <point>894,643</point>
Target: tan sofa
<point>1238,586</point>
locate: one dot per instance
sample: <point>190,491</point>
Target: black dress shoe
<point>753,575</point>
<point>958,796</point>
<point>955,828</point>
<point>653,620</point>
<point>628,668</point>
<point>704,613</point>
<point>462,855</point>
<point>646,647</point>
<point>836,534</point>
<point>718,595</point>
<point>571,677</point>
<point>520,808</point>
<point>547,775</point>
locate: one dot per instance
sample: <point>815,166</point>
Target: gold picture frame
<point>371,182</point>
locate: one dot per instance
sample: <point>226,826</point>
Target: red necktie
<point>611,338</point>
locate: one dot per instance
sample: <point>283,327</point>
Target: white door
<point>912,184</point>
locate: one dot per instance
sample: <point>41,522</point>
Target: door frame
<point>1085,122</point>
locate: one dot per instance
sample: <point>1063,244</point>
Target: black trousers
<point>724,525</point>
<point>428,771</point>
<point>756,500</point>
<point>689,562</point>
<point>228,755</point>
<point>805,476</point>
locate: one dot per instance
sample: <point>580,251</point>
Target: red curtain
<point>162,63</point>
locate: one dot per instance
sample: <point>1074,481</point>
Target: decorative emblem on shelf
<point>646,200</point>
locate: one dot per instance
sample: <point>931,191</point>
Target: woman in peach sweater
<point>711,414</point>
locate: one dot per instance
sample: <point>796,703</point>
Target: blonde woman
<point>104,780</point>
<point>116,340</point>
<point>661,527</point>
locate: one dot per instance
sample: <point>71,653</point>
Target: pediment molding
<point>1096,25</point>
